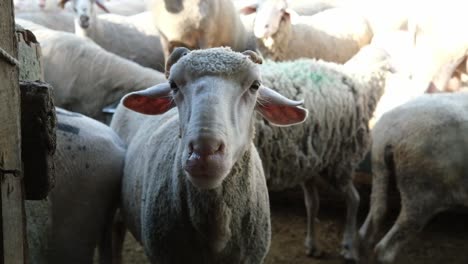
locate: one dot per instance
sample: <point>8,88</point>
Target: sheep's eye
<point>255,85</point>
<point>174,87</point>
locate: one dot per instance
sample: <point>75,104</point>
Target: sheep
<point>199,24</point>
<point>332,141</point>
<point>85,77</point>
<point>61,21</point>
<point>333,35</point>
<point>383,15</point>
<point>118,34</point>
<point>200,197</point>
<point>138,39</point>
<point>421,147</point>
<point>439,44</point>
<point>304,7</point>
<point>76,217</point>
<point>119,7</point>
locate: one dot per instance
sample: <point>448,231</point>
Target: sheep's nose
<point>267,26</point>
<point>206,146</point>
<point>84,19</point>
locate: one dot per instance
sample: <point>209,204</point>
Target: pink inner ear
<point>247,10</point>
<point>147,105</point>
<point>281,114</point>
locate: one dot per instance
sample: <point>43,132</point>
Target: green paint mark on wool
<point>302,69</point>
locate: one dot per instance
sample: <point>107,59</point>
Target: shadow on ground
<point>444,240</point>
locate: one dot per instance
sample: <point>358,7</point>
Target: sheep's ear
<point>101,5</point>
<point>155,100</point>
<point>279,110</point>
<point>178,53</point>
<point>62,3</point>
<point>289,14</point>
<point>248,9</point>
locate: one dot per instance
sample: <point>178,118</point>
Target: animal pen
<point>27,133</point>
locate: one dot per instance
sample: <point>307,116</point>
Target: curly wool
<point>214,61</point>
<point>335,137</point>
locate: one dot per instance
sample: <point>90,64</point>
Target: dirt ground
<point>444,240</point>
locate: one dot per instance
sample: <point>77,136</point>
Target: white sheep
<point>60,20</point>
<point>419,148</point>
<point>119,34</point>
<point>193,189</point>
<point>199,24</point>
<point>332,141</point>
<point>302,7</point>
<point>384,15</point>
<point>133,37</point>
<point>333,35</point>
<point>77,216</point>
<point>440,44</point>
<point>119,7</point>
<point>85,77</point>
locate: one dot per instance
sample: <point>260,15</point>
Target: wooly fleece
<point>421,146</point>
<point>333,35</point>
<point>69,225</point>
<point>335,137</point>
<point>85,77</point>
<point>173,213</point>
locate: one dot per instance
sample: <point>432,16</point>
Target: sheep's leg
<point>350,242</point>
<point>119,231</point>
<point>378,208</point>
<point>311,200</point>
<point>405,227</point>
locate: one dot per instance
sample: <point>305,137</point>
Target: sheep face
<point>216,92</point>
<point>269,14</point>
<point>83,10</point>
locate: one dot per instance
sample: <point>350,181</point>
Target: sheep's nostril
<point>220,148</point>
<point>205,146</point>
<point>190,148</point>
<point>267,26</point>
<point>84,19</point>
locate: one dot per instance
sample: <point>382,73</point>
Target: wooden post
<point>13,220</point>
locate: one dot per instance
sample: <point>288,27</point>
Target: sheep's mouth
<point>84,24</point>
<point>206,171</point>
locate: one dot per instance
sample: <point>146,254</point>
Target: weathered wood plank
<point>38,138</point>
<point>38,119</point>
<point>13,223</point>
<point>29,54</point>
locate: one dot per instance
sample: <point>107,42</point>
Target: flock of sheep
<point>186,164</point>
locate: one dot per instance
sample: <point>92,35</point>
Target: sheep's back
<point>335,135</point>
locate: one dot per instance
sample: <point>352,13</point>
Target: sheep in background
<point>422,147</point>
<point>60,20</point>
<point>200,197</point>
<point>133,37</point>
<point>119,7</point>
<point>333,35</point>
<point>77,216</point>
<point>399,87</point>
<point>85,77</point>
<point>302,7</point>
<point>384,15</point>
<point>199,24</point>
<point>440,43</point>
<point>332,141</point>
<point>119,34</point>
